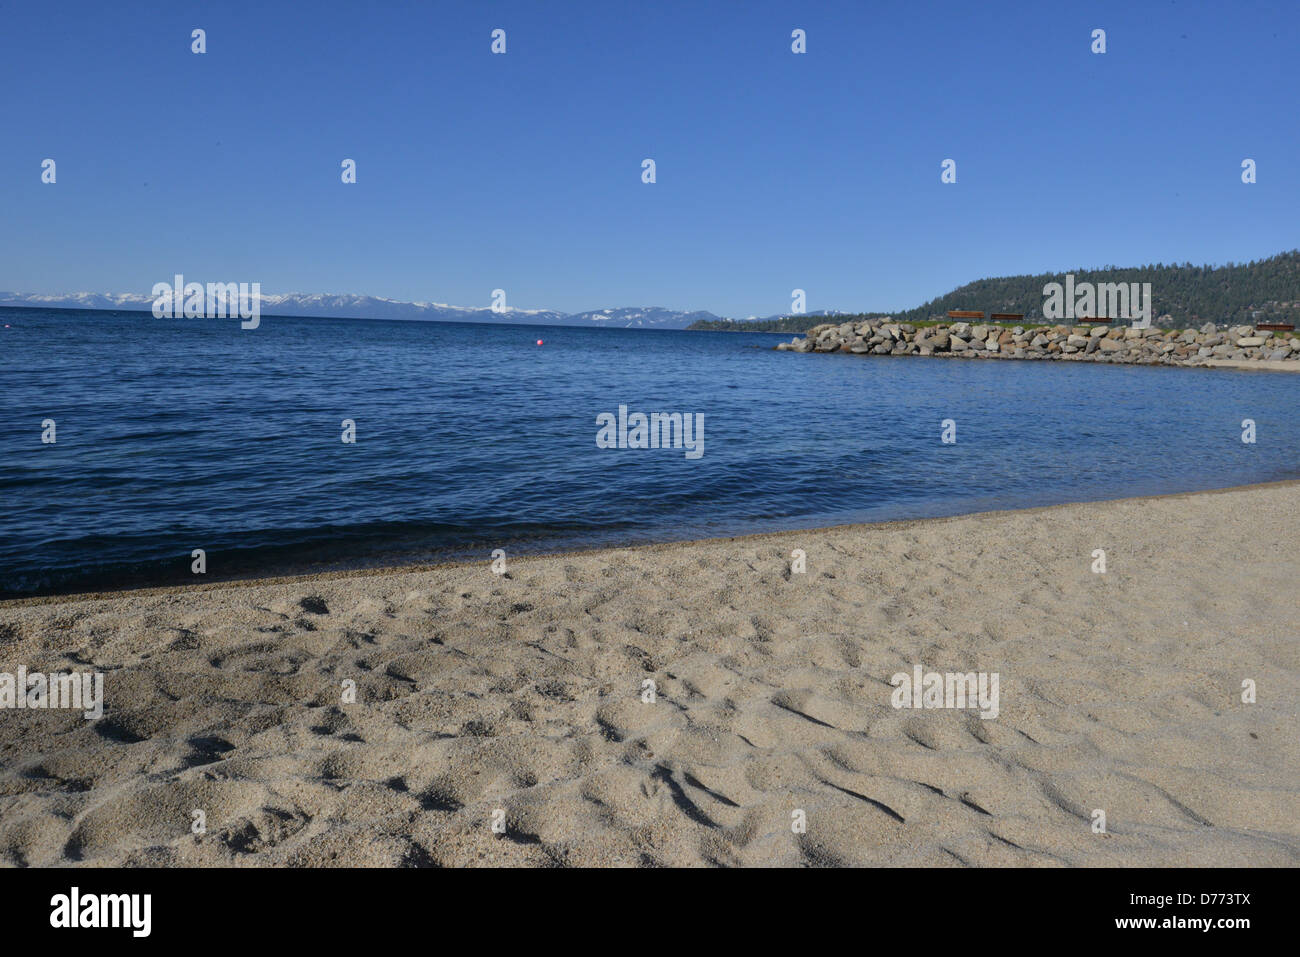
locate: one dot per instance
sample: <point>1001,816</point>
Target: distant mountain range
<point>374,307</point>
<point>1183,295</point>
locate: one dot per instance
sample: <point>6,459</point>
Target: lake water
<point>174,435</point>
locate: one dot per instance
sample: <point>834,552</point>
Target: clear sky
<point>523,171</point>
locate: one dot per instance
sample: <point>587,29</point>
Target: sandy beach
<point>521,698</point>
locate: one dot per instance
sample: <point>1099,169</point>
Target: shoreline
<point>754,538</point>
<point>521,698</point>
<point>388,718</point>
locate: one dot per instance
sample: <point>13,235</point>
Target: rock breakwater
<point>1208,346</point>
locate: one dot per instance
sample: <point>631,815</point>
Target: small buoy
<point>539,341</point>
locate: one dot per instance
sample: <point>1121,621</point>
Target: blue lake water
<point>174,435</point>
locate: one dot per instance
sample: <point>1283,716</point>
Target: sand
<point>1259,365</point>
<point>520,696</point>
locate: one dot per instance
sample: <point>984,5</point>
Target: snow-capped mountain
<point>78,300</point>
<point>376,307</point>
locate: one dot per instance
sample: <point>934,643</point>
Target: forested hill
<point>1188,295</point>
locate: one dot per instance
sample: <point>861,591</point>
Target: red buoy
<point>539,342</point>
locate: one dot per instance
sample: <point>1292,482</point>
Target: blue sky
<point>476,171</point>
